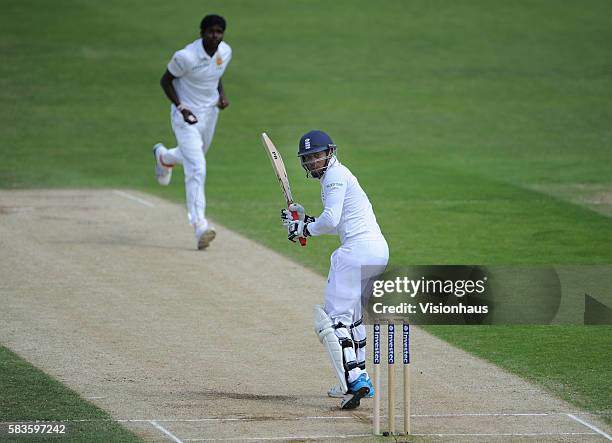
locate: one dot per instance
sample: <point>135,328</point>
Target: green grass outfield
<point>30,394</point>
<point>448,113</point>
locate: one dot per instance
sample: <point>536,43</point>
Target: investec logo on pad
<point>307,143</point>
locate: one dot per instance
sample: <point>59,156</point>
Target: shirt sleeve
<point>179,64</point>
<point>334,191</point>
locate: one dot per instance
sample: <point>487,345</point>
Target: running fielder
<point>192,82</point>
<point>347,213</point>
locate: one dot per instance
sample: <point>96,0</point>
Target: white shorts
<point>194,139</point>
<point>344,283</point>
<point>193,142</point>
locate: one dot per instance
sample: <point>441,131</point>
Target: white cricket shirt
<point>197,74</point>
<point>347,209</point>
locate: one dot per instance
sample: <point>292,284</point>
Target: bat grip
<point>294,214</point>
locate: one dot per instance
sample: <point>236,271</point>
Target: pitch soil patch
<point>597,197</point>
<point>105,291</point>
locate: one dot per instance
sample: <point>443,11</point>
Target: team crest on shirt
<point>219,60</point>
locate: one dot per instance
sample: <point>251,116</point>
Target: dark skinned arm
<point>168,87</point>
<point>223,103</point>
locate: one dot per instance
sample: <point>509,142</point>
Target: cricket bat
<point>281,174</point>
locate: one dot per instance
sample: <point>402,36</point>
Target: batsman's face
<point>316,163</point>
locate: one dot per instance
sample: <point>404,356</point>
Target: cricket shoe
<point>357,389</point>
<point>163,172</point>
<point>336,390</point>
<point>204,235</point>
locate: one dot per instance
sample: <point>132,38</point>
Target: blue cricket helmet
<point>314,141</point>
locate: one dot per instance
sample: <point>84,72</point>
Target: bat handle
<point>294,214</point>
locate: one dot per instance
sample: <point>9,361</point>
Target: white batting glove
<point>287,216</point>
<point>299,209</point>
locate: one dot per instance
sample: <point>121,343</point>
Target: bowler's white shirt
<point>347,209</point>
<point>197,74</point>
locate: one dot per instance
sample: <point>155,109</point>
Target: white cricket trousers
<point>343,292</point>
<point>193,142</point>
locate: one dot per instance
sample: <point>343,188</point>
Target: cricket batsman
<point>347,213</point>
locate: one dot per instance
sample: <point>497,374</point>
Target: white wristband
<point>181,107</point>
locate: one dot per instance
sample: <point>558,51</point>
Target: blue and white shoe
<point>358,389</point>
<point>336,390</point>
<point>371,386</point>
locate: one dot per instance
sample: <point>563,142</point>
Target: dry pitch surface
<point>105,291</point>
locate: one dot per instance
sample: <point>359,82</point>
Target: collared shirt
<point>347,209</point>
<point>197,74</point>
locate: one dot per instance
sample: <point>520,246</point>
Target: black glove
<point>297,229</point>
<point>287,217</point>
